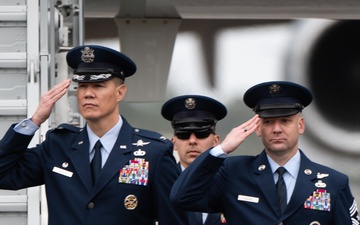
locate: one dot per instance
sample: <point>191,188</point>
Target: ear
<point>121,92</point>
<point>301,125</point>
<point>216,140</point>
<point>173,140</point>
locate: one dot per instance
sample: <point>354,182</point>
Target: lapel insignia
<point>123,147</point>
<point>80,142</point>
<point>322,175</point>
<point>320,184</point>
<point>141,143</point>
<point>163,138</point>
<point>65,165</point>
<point>139,152</point>
<point>261,167</point>
<point>320,200</point>
<point>308,172</point>
<point>136,172</point>
<point>130,202</point>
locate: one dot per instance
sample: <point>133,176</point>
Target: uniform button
<point>91,205</point>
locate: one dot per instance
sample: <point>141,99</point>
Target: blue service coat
<point>61,162</point>
<point>242,187</point>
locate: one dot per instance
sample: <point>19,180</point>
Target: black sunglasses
<point>199,134</point>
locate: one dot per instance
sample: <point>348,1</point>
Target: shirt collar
<point>108,140</point>
<point>292,166</point>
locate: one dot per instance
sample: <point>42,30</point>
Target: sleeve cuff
<point>26,127</point>
<point>218,152</point>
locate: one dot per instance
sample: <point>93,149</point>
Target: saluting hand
<point>238,134</point>
<point>48,101</point>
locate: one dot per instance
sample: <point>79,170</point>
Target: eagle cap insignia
<point>274,89</point>
<point>87,55</point>
<point>190,103</point>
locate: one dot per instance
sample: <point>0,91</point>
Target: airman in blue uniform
<point>125,179</point>
<point>280,186</point>
<point>194,119</point>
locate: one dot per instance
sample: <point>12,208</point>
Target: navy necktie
<point>281,188</point>
<point>96,162</point>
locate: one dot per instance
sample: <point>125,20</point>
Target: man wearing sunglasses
<point>278,186</point>
<point>193,118</point>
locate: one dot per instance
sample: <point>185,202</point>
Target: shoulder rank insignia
<point>141,143</point>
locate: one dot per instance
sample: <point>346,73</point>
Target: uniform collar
<point>292,166</point>
<point>108,140</point>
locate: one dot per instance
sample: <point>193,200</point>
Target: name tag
<point>246,198</point>
<point>62,171</point>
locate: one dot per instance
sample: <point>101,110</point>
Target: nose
<point>88,92</point>
<point>192,138</point>
<point>277,127</point>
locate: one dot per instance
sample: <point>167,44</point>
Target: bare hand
<point>48,101</point>
<point>238,134</point>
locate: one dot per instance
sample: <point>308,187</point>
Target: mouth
<point>193,152</point>
<point>277,140</point>
<point>88,105</point>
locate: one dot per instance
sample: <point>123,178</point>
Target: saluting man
<point>104,173</point>
<point>278,186</point>
<point>194,119</point>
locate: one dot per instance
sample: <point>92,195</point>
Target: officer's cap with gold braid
<point>277,98</point>
<point>94,63</point>
<point>193,112</point>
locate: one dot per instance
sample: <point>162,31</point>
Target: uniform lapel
<point>212,219</point>
<point>264,178</point>
<point>304,186</point>
<point>80,159</point>
<point>118,157</point>
<point>194,218</point>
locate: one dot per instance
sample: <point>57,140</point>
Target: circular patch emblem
<point>308,172</point>
<point>130,202</point>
